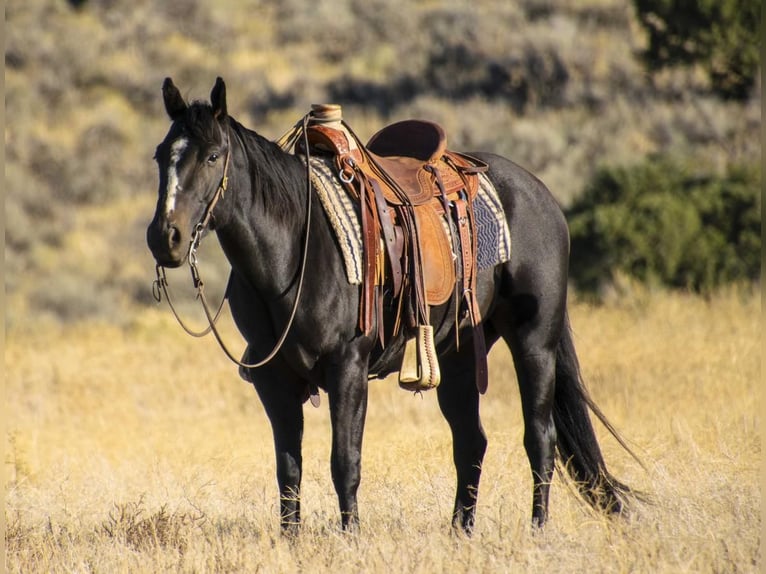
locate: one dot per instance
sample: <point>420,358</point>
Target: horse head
<point>192,161</point>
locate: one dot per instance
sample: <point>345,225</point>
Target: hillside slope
<point>558,88</point>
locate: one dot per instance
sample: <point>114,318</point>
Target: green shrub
<point>662,223</point>
<point>721,35</point>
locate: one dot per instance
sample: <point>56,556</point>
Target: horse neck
<point>265,209</point>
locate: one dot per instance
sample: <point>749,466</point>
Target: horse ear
<point>218,99</point>
<point>174,102</point>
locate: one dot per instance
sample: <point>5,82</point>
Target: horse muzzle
<point>168,242</point>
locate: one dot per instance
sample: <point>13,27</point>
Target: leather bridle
<point>160,284</point>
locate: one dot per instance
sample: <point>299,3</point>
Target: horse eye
<point>213,158</point>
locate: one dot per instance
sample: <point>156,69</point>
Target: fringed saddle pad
<point>494,237</point>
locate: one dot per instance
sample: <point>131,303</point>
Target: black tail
<point>577,444</point>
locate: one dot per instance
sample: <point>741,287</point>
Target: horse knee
<point>477,445</point>
<point>288,470</point>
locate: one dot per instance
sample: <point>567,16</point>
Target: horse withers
<point>214,173</point>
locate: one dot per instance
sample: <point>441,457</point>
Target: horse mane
<point>272,171</point>
<point>276,175</point>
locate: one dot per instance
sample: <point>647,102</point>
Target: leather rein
<point>160,285</point>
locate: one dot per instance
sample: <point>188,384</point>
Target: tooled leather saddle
<point>415,198</point>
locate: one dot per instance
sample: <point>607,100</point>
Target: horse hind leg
<point>556,408</point>
<point>537,385</point>
<point>530,330</point>
<point>459,403</point>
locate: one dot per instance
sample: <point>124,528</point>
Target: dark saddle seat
<point>417,139</point>
<point>413,153</point>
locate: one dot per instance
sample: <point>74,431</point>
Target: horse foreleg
<point>282,400</point>
<point>347,392</point>
<point>459,403</point>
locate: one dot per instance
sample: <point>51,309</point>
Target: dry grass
<point>136,449</point>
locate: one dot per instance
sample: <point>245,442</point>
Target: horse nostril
<point>174,237</point>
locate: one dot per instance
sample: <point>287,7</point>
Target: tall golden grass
<point>137,449</point>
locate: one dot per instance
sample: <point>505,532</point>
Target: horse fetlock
<point>464,519</point>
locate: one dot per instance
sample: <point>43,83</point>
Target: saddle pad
<point>494,237</point>
<point>343,213</point>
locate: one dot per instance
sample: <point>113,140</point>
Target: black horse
<point>260,223</point>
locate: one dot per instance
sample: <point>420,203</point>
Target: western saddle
<point>415,199</point>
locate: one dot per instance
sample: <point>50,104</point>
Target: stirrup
<point>420,365</point>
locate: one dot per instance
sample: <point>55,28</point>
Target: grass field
<point>138,449</point>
